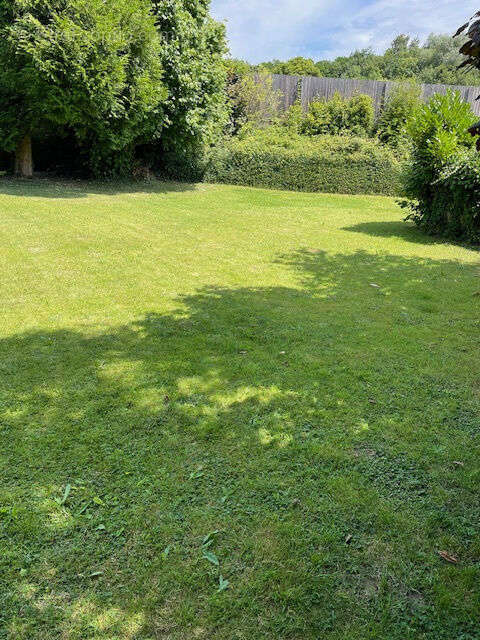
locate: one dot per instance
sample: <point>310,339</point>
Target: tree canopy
<point>88,66</point>
<point>110,75</point>
<point>434,61</point>
<point>192,52</point>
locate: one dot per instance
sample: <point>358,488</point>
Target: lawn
<point>234,414</point>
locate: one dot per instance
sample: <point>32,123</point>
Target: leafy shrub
<point>318,119</point>
<point>252,100</point>
<point>281,159</point>
<point>293,118</point>
<point>338,116</point>
<point>192,49</point>
<point>440,128</point>
<point>440,158</point>
<point>360,114</point>
<point>455,206</point>
<point>88,67</point>
<point>337,109</point>
<point>400,107</point>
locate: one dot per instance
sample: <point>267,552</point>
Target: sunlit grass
<point>293,375</point>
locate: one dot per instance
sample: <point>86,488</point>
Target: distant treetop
<point>436,61</point>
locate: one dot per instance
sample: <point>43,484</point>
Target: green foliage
<point>440,128</point>
<point>360,114</point>
<point>298,66</point>
<point>234,66</point>
<point>87,66</point>
<point>193,46</point>
<point>440,139</point>
<point>337,116</point>
<point>318,120</point>
<point>360,64</point>
<point>294,118</point>
<point>116,74</point>
<point>455,207</point>
<point>253,101</point>
<point>279,158</point>
<point>400,107</point>
<point>433,62</point>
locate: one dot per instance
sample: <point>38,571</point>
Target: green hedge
<point>453,208</point>
<point>284,160</point>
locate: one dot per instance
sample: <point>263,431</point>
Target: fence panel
<point>289,87</point>
<point>307,88</point>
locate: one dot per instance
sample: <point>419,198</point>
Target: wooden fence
<point>307,88</point>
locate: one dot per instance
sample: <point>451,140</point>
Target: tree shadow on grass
<point>65,188</point>
<point>286,419</point>
<point>395,229</point>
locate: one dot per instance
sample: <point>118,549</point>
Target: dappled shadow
<point>67,188</point>
<point>395,229</point>
<point>245,411</point>
<point>320,271</point>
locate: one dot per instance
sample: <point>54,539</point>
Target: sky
<point>260,30</point>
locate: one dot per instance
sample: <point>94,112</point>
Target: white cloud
<point>265,29</point>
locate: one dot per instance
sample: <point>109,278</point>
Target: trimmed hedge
<point>284,160</point>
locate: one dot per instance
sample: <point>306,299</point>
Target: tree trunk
<point>23,158</point>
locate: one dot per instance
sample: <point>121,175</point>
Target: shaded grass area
<point>241,373</point>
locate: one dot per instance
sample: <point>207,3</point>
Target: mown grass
<point>296,372</point>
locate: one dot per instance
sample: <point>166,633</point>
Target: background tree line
<point>433,62</point>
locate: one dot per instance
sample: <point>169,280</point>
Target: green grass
<point>211,358</point>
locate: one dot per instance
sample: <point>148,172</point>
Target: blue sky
<point>266,29</point>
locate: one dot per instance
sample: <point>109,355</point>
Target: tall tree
<point>298,67</point>
<point>193,47</point>
<point>90,66</point>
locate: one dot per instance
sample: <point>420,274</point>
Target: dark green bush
<point>189,166</point>
<point>453,210</point>
<point>442,178</point>
<point>281,159</point>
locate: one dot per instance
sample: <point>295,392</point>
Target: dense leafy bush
<point>322,118</point>
<point>360,114</point>
<point>339,116</point>
<point>454,210</point>
<point>111,77</point>
<point>281,159</point>
<point>438,202</point>
<point>400,107</point>
<point>294,118</point>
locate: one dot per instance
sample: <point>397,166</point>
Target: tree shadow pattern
<point>65,188</point>
<point>280,417</point>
